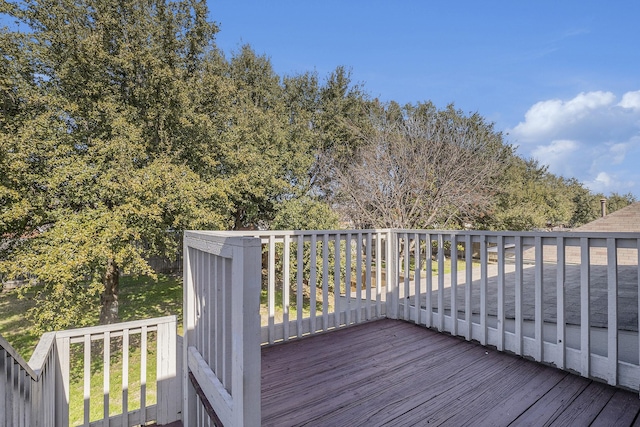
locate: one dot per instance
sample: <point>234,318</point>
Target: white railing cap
<point>134,324</point>
<point>15,356</point>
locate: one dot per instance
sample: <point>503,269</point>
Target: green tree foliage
<point>340,123</point>
<point>588,207</point>
<point>344,114</point>
<point>18,101</point>
<point>583,208</point>
<point>103,161</point>
<point>530,197</point>
<point>265,149</point>
<point>122,125</point>
<point>305,213</point>
<point>533,198</point>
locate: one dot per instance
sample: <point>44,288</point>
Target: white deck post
<point>392,274</point>
<point>62,381</point>
<point>585,296</point>
<point>166,374</point>
<point>561,340</point>
<point>454,284</point>
<point>245,320</point>
<point>612,311</point>
<point>230,379</point>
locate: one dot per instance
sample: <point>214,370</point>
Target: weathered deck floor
<point>391,372</point>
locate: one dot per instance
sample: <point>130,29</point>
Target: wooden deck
<point>392,372</point>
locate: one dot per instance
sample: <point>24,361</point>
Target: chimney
<point>603,207</point>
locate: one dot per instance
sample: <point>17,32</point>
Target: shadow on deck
<point>391,372</point>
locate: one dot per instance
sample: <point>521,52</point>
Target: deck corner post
<point>188,334</point>
<point>245,321</point>
<point>392,274</point>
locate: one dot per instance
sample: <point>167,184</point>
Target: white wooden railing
<point>559,306</point>
<point>506,295</point>
<point>38,393</point>
<point>221,350</point>
<point>569,299</point>
<point>27,389</point>
<point>320,280</point>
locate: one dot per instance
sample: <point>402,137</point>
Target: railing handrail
<point>16,356</point>
<point>268,233</point>
<point>132,324</point>
<point>554,233</point>
<point>572,238</point>
<point>42,353</point>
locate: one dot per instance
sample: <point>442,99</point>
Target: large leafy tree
<point>271,130</point>
<point>101,145</point>
<point>265,149</point>
<point>341,123</point>
<point>531,197</point>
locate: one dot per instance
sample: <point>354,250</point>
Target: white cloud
<point>591,137</point>
<point>607,183</point>
<point>601,184</point>
<point>548,118</point>
<point>557,155</point>
<point>603,179</point>
<point>631,100</point>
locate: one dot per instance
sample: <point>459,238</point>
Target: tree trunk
<point>109,299</point>
<point>238,223</point>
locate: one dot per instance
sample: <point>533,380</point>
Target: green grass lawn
<point>14,325</point>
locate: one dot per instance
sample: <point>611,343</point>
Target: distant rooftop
<point>626,219</point>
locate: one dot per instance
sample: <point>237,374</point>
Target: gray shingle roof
<point>626,219</point>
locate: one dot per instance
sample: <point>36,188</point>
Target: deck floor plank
<point>365,370</point>
<point>586,407</point>
<point>281,358</point>
<point>500,399</point>
<point>546,409</point>
<point>389,396</point>
<point>391,372</point>
<point>622,409</point>
<point>536,380</point>
<point>440,388</point>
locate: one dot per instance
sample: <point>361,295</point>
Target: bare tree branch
<point>421,168</point>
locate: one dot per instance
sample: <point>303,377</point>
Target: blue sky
<point>562,78</point>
